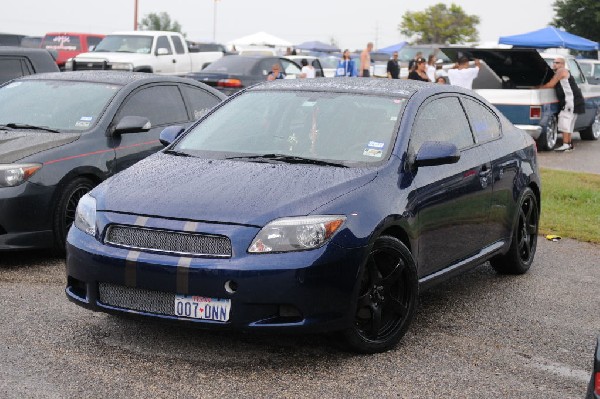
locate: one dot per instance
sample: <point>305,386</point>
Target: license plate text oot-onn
<point>199,307</point>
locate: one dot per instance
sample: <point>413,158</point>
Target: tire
<point>64,212</point>
<point>547,140</point>
<point>386,300</point>
<point>520,255</point>
<point>592,132</point>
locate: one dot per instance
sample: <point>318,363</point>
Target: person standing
<point>419,73</point>
<point>463,76</point>
<point>346,66</point>
<point>431,67</point>
<point>393,68</point>
<point>307,70</point>
<point>570,101</point>
<point>412,64</point>
<point>365,61</point>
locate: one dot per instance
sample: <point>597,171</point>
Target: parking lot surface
<point>478,335</point>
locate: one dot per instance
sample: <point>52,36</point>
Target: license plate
<point>199,307</point>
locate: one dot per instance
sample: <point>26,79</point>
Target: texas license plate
<point>199,307</point>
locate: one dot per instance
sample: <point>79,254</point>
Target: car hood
<point>16,145</point>
<point>225,191</point>
<point>112,57</point>
<point>522,66</point>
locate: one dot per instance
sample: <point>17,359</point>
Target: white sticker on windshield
<point>82,124</point>
<point>309,103</point>
<point>372,152</point>
<point>375,144</point>
<point>394,118</point>
<point>86,118</point>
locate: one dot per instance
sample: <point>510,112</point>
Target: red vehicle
<point>68,44</point>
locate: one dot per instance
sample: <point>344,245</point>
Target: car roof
<point>384,87</point>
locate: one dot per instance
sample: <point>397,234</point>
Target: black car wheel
<point>592,132</point>
<point>64,213</point>
<point>519,257</point>
<point>547,140</point>
<point>386,299</point>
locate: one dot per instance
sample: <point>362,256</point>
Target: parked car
<point>594,385</point>
<point>256,50</point>
<point>509,80</point>
<point>591,70</point>
<point>163,53</point>
<point>233,73</point>
<point>10,39</point>
<point>329,64</point>
<point>69,44</point>
<point>311,205</point>
<point>21,61</point>
<point>31,41</point>
<point>63,133</point>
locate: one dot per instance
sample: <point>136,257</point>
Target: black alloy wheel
<point>386,299</point>
<point>520,256</point>
<point>64,213</point>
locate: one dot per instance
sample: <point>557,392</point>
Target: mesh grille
<point>169,241</point>
<point>137,299</point>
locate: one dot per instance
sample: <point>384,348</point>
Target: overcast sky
<point>351,23</point>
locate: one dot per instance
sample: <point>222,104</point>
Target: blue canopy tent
<point>316,45</point>
<point>550,37</point>
<point>392,48</point>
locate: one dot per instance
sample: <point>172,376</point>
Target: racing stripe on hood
<point>132,257</point>
<point>183,265</point>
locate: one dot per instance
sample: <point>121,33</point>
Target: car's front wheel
<point>386,300</point>
<point>547,140</point>
<point>64,212</point>
<point>592,132</point>
<point>519,257</point>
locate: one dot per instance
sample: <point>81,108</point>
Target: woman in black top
<point>419,72</point>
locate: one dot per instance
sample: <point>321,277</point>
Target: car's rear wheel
<point>64,213</point>
<point>592,132</point>
<point>519,257</point>
<point>547,140</point>
<point>386,299</point>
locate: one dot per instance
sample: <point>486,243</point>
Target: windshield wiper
<point>26,126</point>
<point>177,153</point>
<point>291,159</point>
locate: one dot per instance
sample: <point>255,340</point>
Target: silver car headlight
<point>296,233</point>
<point>121,66</point>
<point>14,174</point>
<point>85,215</point>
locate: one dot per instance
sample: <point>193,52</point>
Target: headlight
<point>85,216</point>
<point>121,66</point>
<point>296,233</point>
<point>14,174</point>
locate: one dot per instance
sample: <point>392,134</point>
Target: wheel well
<point>399,233</point>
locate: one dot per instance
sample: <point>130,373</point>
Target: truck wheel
<point>549,137</point>
<point>592,132</point>
<point>64,213</point>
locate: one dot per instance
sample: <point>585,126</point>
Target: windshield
<point>58,105</point>
<point>350,129</point>
<point>125,44</point>
<point>62,42</point>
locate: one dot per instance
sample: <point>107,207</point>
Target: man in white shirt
<point>463,76</point>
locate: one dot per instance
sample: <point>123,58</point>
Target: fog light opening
<point>231,287</point>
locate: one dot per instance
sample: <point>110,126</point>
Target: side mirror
<point>169,134</point>
<point>132,124</point>
<point>434,153</point>
<point>162,51</point>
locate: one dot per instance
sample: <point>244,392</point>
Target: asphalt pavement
<point>478,335</point>
<point>585,157</point>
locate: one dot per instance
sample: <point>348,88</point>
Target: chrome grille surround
<point>166,241</point>
<point>137,299</point>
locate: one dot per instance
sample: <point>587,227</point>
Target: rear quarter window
<point>11,68</point>
<point>484,123</point>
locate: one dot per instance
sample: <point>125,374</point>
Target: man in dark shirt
<point>393,69</point>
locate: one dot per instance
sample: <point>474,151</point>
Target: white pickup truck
<point>163,53</point>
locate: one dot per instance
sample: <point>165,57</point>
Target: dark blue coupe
<point>311,205</point>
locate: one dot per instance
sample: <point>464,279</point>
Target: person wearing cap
<point>463,76</point>
<point>420,71</point>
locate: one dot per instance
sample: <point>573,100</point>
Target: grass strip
<point>570,205</point>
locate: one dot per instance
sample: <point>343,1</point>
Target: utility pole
<point>135,15</point>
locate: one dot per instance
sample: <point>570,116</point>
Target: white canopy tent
<point>259,39</point>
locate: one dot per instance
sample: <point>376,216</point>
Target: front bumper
<point>306,291</point>
<point>26,217</point>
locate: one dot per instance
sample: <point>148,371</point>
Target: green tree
<point>580,17</point>
<point>160,21</point>
<point>440,24</point>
